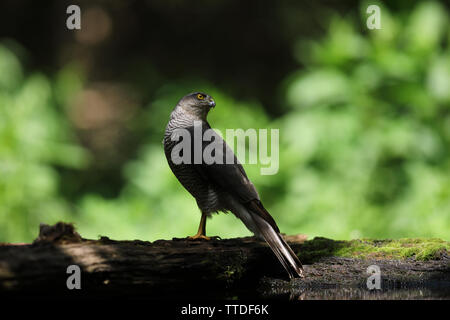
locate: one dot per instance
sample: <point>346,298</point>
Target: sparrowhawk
<point>219,186</point>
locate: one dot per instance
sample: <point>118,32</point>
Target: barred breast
<point>207,197</point>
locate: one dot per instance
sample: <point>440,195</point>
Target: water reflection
<point>364,294</point>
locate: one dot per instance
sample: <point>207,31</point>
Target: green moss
<point>231,273</point>
<point>417,248</point>
<point>233,269</point>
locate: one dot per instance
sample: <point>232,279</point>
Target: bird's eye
<point>200,96</point>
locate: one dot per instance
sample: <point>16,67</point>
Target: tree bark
<point>179,268</point>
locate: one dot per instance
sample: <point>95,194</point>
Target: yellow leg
<point>201,233</point>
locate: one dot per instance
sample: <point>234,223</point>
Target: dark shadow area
<point>178,269</point>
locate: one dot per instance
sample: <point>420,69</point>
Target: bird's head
<point>197,104</point>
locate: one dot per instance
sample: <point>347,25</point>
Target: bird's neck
<point>193,114</point>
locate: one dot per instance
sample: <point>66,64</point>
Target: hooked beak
<point>212,103</point>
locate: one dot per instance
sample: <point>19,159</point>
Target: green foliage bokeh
<point>364,143</point>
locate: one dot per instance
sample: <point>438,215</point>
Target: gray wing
<point>230,177</point>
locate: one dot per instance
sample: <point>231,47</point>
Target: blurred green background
<point>364,115</point>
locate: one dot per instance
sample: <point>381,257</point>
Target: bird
<point>220,186</point>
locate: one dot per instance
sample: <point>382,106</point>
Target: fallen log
<point>217,269</point>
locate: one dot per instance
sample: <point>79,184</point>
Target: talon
<point>199,236</point>
<point>201,233</point>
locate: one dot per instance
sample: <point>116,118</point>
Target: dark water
<point>432,288</point>
<point>364,294</point>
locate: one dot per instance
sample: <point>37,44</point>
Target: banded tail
<point>270,232</point>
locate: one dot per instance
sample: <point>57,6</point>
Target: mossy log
<point>240,267</point>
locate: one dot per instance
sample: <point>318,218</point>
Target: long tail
<point>270,232</point>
